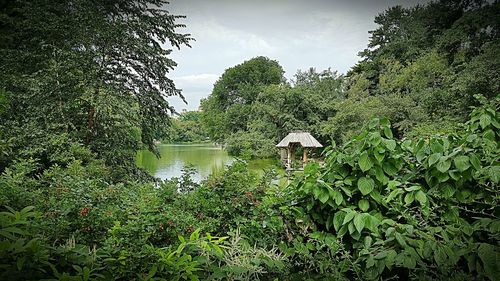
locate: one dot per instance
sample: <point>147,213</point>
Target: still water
<point>206,158</point>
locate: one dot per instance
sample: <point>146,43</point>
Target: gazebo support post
<point>289,157</point>
<point>304,158</point>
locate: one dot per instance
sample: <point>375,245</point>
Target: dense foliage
<point>187,127</point>
<point>85,73</point>
<point>425,209</point>
<point>422,67</point>
<point>379,208</point>
<point>413,200</point>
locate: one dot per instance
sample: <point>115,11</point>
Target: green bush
<point>424,209</point>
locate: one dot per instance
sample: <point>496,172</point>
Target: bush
<point>424,209</point>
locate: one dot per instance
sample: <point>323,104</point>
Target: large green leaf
<point>409,198</point>
<point>348,217</point>
<point>338,218</point>
<point>388,132</point>
<point>485,120</point>
<point>434,158</point>
<point>323,196</point>
<point>390,168</point>
<point>443,165</point>
<point>436,146</point>
<point>389,144</point>
<point>462,163</point>
<point>379,156</point>
<point>365,185</point>
<point>379,174</point>
<point>421,197</point>
<point>494,173</point>
<point>364,162</point>
<point>359,222</point>
<point>474,160</point>
<point>364,205</point>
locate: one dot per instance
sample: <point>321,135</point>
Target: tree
<point>227,109</point>
<point>95,71</point>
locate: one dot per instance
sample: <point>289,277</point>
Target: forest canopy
<point>421,69</point>
<point>407,189</point>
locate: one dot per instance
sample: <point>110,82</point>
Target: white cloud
<point>297,33</point>
<point>213,31</point>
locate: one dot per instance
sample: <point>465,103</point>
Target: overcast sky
<point>299,34</point>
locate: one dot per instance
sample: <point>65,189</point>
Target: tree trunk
<point>91,118</point>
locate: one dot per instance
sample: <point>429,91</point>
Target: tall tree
<point>95,71</point>
<point>227,109</point>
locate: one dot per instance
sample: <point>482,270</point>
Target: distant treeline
<point>421,69</point>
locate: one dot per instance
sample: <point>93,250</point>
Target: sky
<point>299,34</point>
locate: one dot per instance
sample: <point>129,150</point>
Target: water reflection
<point>205,158</point>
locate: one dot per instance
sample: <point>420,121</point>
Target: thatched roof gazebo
<point>295,138</point>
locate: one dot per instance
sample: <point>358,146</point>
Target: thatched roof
<point>304,138</point>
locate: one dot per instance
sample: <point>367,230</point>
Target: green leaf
<point>371,223</point>
<point>393,194</point>
<point>359,222</point>
<point>364,205</point>
<point>474,160</point>
<point>409,262</point>
<point>379,174</point>
<point>434,158</point>
<point>388,132</point>
<point>485,120</point>
<point>443,165</point>
<point>316,189</point>
<point>375,139</point>
<point>389,260</point>
<point>389,144</point>
<point>381,255</point>
<point>365,185</point>
<point>400,239</point>
<point>351,228</point>
<point>337,196</point>
<point>409,198</point>
<point>337,220</point>
<point>348,217</point>
<point>490,256</point>
<point>462,163</point>
<point>454,174</point>
<point>494,173</point>
<point>385,122</point>
<point>436,146</point>
<point>342,231</point>
<point>368,242</point>
<point>447,191</point>
<point>389,168</point>
<point>379,156</point>
<point>323,197</point>
<point>421,197</point>
<point>420,155</point>
<point>393,183</point>
<point>413,188</point>
<point>370,262</point>
<point>364,162</point>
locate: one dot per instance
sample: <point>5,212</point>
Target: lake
<point>205,158</point>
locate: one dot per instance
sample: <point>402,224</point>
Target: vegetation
<point>421,69</point>
<point>187,127</point>
<point>413,200</point>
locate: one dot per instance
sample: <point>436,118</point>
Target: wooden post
<point>304,158</point>
<point>289,157</point>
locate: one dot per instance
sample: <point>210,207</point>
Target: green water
<point>205,158</point>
